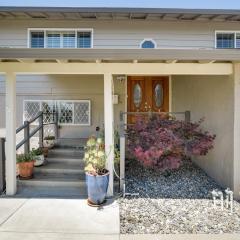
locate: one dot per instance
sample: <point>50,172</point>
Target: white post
<point>11,183</point>
<point>236,132</point>
<point>109,130</point>
<point>122,161</point>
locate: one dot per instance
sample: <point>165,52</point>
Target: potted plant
<point>25,165</point>
<point>49,141</point>
<point>97,176</point>
<point>39,157</point>
<point>45,151</point>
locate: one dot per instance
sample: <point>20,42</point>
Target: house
<point>76,59</point>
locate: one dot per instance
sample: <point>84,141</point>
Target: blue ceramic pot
<point>97,187</point>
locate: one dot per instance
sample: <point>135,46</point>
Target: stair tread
<point>61,165</point>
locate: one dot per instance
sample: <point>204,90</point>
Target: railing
<point>123,127</point>
<point>2,165</point>
<point>39,129</point>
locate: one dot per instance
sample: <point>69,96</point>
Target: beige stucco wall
<point>65,87</point>
<point>210,97</point>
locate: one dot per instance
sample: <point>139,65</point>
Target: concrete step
<point>55,180</point>
<point>66,153</point>
<point>61,167</point>
<point>51,192</point>
<point>71,142</point>
<point>66,160</point>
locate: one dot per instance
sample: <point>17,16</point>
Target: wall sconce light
<point>121,78</point>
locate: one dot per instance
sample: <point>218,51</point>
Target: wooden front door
<point>148,94</point>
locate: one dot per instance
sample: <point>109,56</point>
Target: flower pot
<point>48,143</point>
<point>97,188</point>
<point>25,169</point>
<point>45,151</point>
<point>39,160</point>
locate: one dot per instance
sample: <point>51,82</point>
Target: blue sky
<point>214,4</point>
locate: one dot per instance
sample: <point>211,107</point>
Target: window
<point>37,39</point>
<point>53,40</point>
<point>77,112</point>
<point>148,43</point>
<point>84,40</point>
<point>58,38</point>
<point>225,40</point>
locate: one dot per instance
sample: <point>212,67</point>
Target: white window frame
<point>45,30</point>
<point>56,103</point>
<point>148,39</point>
<point>227,31</point>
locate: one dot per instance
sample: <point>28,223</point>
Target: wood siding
<point>123,34</point>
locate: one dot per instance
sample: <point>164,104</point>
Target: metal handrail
<point>28,135</point>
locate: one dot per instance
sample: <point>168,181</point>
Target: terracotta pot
<point>45,151</point>
<point>25,169</point>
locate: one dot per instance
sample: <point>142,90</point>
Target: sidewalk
<point>50,219</point>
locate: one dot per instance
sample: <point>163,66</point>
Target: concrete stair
<point>62,176</point>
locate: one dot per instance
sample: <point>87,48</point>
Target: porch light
<point>121,78</point>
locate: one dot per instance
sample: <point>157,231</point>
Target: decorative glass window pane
<point>69,40</point>
<point>158,95</point>
<point>137,95</point>
<point>65,112</point>
<point>82,113</point>
<point>37,39</point>
<point>31,109</point>
<point>48,109</point>
<point>84,40</point>
<point>53,40</point>
<point>225,40</point>
<point>148,44</point>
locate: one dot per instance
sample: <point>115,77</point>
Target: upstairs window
<point>37,39</point>
<point>225,40</point>
<point>46,38</point>
<point>148,43</point>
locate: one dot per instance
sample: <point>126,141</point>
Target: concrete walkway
<point>50,219</point>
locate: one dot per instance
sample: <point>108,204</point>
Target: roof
<point>119,55</point>
<point>159,14</point>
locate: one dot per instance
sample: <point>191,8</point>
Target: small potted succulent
<point>39,157</point>
<point>49,141</point>
<point>97,176</point>
<point>25,165</point>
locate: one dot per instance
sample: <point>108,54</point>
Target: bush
<point>162,142</point>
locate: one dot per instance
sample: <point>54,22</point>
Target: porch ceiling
<point>119,55</point>
<point>158,14</point>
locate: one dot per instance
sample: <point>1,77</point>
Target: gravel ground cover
<point>175,202</point>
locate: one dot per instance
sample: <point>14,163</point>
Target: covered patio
<point>179,64</point>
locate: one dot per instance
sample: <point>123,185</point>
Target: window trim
<point>235,32</point>
<point>76,30</point>
<point>148,39</point>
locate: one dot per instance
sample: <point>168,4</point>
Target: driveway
<point>42,218</point>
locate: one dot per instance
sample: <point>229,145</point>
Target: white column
<point>108,125</point>
<point>236,132</point>
<point>11,183</point>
